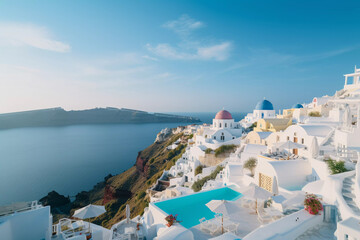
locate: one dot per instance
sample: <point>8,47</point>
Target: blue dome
<point>264,105</point>
<point>298,105</point>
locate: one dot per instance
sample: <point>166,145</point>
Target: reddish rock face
<point>141,166</point>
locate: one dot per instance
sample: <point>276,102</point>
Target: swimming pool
<point>191,208</point>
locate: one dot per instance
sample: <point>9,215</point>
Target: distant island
<point>60,117</point>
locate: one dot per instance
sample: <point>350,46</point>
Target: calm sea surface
<point>35,161</point>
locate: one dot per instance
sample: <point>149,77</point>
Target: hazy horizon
<point>173,56</point>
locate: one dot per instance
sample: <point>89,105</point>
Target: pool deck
<point>246,218</point>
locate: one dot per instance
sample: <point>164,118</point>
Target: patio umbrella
<point>289,145</point>
<point>256,192</point>
<point>347,117</point>
<point>89,211</point>
<point>314,149</point>
<point>127,213</point>
<point>224,208</point>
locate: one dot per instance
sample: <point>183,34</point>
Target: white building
<point>223,131</point>
<point>355,83</point>
<point>28,220</point>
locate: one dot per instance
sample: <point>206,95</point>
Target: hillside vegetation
<point>130,186</point>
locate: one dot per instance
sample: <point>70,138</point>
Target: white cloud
<point>17,34</point>
<point>183,25</point>
<point>218,52</point>
<point>150,58</point>
<point>187,49</point>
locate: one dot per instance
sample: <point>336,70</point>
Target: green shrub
<point>253,126</point>
<point>336,166</point>
<point>141,195</point>
<point>251,165</point>
<point>315,114</point>
<point>208,150</point>
<point>198,169</point>
<point>224,148</point>
<point>191,136</point>
<point>200,183</point>
<point>176,151</point>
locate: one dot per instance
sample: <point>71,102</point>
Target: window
<point>214,124</point>
<point>219,124</point>
<point>321,152</point>
<point>225,124</point>
<point>233,137</point>
<point>294,133</point>
<point>222,134</point>
<point>277,138</point>
<point>288,138</point>
<point>302,141</point>
<point>214,137</point>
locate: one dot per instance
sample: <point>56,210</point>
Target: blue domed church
<point>263,109</point>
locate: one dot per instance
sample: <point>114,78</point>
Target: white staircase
<point>348,193</point>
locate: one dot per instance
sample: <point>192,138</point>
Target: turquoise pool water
<point>192,208</point>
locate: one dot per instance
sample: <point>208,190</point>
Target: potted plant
<point>312,204</point>
<point>171,219</point>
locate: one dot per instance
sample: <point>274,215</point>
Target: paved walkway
<point>324,231</point>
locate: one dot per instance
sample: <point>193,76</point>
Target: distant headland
<point>60,117</point>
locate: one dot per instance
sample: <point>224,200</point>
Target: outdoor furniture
<point>230,226</point>
<point>129,230</point>
<point>224,209</point>
<point>209,225</point>
<point>263,217</point>
<point>256,192</point>
<point>140,234</point>
<point>216,228</point>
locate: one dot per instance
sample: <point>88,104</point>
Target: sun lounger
<point>263,217</point>
<point>207,225</point>
<point>230,226</point>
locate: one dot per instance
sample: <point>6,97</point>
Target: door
<point>265,182</point>
<point>295,151</point>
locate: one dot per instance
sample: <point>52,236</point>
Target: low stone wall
<point>288,227</point>
<point>210,160</point>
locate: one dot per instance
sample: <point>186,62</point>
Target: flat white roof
<point>351,222</point>
<point>255,148</point>
<point>317,130</point>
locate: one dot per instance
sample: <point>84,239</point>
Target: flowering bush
<point>312,204</point>
<point>171,220</point>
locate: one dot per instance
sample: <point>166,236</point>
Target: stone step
<point>353,206</point>
<point>349,180</point>
<point>347,199</point>
<point>347,190</point>
<point>348,185</point>
<point>349,195</point>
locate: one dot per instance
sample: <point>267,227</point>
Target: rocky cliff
<point>130,186</point>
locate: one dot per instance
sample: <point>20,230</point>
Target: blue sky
<point>174,56</point>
